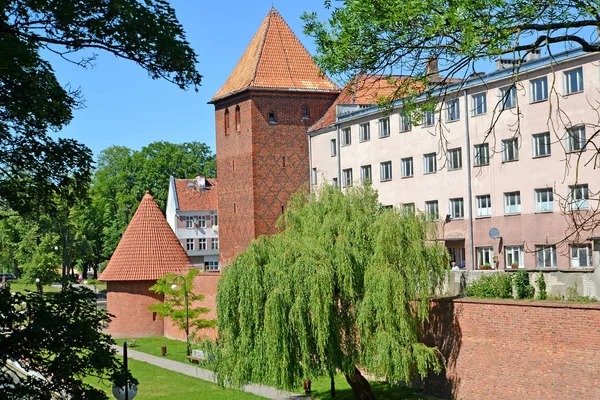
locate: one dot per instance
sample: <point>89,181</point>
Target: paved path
<point>194,371</point>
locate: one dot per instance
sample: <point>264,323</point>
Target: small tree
<point>59,340</point>
<point>173,305</point>
<point>345,283</point>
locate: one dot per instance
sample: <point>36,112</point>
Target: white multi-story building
<point>192,214</point>
<point>504,166</point>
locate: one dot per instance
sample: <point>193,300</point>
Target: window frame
<point>383,126</point>
<point>346,136</point>
<point>190,243</point>
<point>428,118</point>
<point>453,105</point>
<point>508,97</point>
<point>542,249</point>
<point>432,156</point>
<point>479,209</point>
<point>333,147</point>
<point>189,222</point>
<point>507,206</point>
<point>581,139</point>
<point>510,146</point>
<point>362,130</point>
<point>458,201</point>
<point>410,162</point>
<point>238,122</point>
<point>314,176</point>
<point>533,90</point>
<point>451,156</point>
<point>363,169</point>
<point>509,252</point>
<point>202,244</point>
<point>405,123</point>
<point>538,193</point>
<point>584,201</point>
<point>201,221</point>
<point>537,144</point>
<point>567,85</point>
<point>474,104</point>
<point>432,216</point>
<point>385,166</point>
<point>485,255</point>
<point>212,243</point>
<point>477,155</point>
<point>347,177</point>
<point>588,255</point>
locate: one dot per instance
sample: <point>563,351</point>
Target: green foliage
<point>491,286</point>
<point>523,288</point>
<point>59,337</point>
<point>173,305</point>
<point>344,283</point>
<point>33,165</point>
<point>541,285</point>
<point>573,295</point>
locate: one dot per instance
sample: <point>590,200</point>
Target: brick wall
<point>516,350</point>
<point>128,303</point>
<point>253,183</point>
<point>205,284</point>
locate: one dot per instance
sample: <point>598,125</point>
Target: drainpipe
<point>469,188</point>
<point>339,156</point>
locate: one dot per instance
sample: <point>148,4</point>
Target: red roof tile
<point>364,90</point>
<point>196,198</point>
<point>275,59</point>
<point>148,249</point>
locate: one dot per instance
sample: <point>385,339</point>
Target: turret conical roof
<point>148,249</point>
<point>275,59</point>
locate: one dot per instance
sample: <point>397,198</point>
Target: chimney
<point>201,181</point>
<point>431,69</point>
<point>534,54</point>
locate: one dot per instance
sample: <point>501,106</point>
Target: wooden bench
<point>194,359</point>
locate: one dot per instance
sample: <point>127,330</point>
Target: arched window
<point>238,125</point>
<point>304,113</point>
<point>226,121</point>
<point>272,118</point>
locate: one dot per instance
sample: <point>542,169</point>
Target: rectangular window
<point>455,159</point>
<point>189,222</point>
<point>211,265</point>
<point>407,167</point>
<point>512,203</point>
<point>429,163</point>
<point>405,123</point>
<point>385,171</point>
<point>510,149</point>
<point>453,110</point>
<point>484,205</point>
<point>482,154</point>
<point>347,177</point>
<point>334,182</point>
<point>215,220</point>
<point>384,127</point>
<point>541,144</point>
<point>333,147</point>
<point>429,118</point>
<point>214,244</point>
<point>575,138</point>
<point>538,89</point>
<point>432,210</point>
<point>202,221</point>
<point>408,208</point>
<point>514,256</point>
<point>546,256</point>
<point>479,104</point>
<point>457,208</point>
<point>573,81</point>
<point>485,257</point>
<point>365,132</point>
<point>189,244</point>
<point>544,200</point>
<point>508,97</point>
<point>581,256</point>
<point>366,174</point>
<point>202,244</point>
<point>579,197</point>
<point>346,137</point>
<point>314,176</point>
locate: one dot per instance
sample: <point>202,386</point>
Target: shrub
<point>541,284</point>
<point>491,286</point>
<point>573,295</point>
<point>522,286</point>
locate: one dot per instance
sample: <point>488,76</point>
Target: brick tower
<point>262,112</point>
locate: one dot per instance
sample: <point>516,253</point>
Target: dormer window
<point>304,113</point>
<point>238,124</point>
<point>226,121</point>
<point>272,119</point>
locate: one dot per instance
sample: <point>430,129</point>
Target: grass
<point>156,383</point>
<point>22,287</point>
<point>176,351</point>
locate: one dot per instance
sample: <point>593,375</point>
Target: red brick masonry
<point>505,349</point>
<point>129,302</point>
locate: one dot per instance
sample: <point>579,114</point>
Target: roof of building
<point>275,59</point>
<point>193,196</point>
<point>364,90</point>
<point>148,249</point>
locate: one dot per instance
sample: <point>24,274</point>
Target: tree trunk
<point>360,386</point>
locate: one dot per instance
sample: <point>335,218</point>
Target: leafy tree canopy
<point>344,283</point>
<point>60,338</point>
<point>33,165</point>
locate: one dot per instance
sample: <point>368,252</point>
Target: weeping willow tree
<point>344,283</point>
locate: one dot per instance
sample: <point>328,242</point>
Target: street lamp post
<point>187,316</point>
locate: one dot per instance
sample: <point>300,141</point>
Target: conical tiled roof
<point>275,59</point>
<point>148,249</point>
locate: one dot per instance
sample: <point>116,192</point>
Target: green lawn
<point>320,387</point>
<point>22,287</point>
<point>160,384</point>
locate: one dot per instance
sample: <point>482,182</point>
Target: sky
<point>125,107</point>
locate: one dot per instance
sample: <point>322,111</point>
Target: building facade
<point>262,113</point>
<point>505,168</point>
<point>192,215</point>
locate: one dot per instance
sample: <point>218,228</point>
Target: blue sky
<point>123,106</point>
